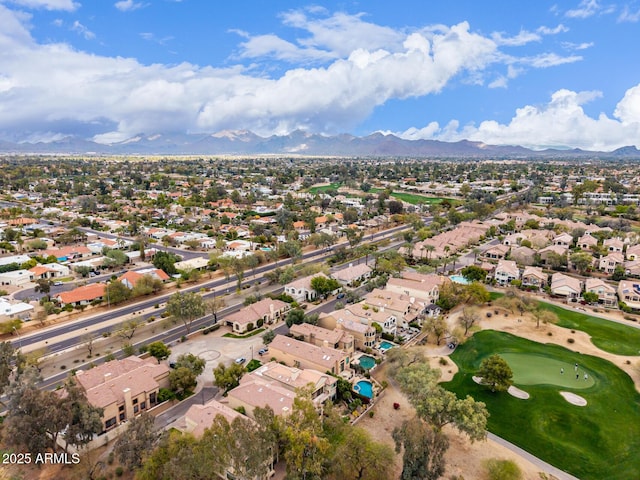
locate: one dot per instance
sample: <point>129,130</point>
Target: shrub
<point>119,471</point>
<point>443,361</point>
<point>165,394</point>
<point>260,322</point>
<point>250,326</point>
<point>502,469</point>
<point>63,367</point>
<point>570,340</point>
<point>550,334</point>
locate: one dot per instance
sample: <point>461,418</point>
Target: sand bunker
<point>516,392</point>
<point>574,399</point>
<point>513,391</point>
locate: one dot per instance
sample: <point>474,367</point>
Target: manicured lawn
<point>533,369</point>
<point>324,188</point>
<point>413,198</point>
<point>598,441</point>
<point>609,336</point>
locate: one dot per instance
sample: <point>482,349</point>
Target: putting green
<point>531,369</point>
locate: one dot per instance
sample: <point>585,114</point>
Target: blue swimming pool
<point>364,388</point>
<point>459,279</point>
<point>384,345</point>
<point>367,362</point>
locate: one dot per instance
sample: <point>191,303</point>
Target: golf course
<point>599,440</point>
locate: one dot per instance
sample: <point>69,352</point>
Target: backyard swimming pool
<point>459,279</point>
<point>384,345</point>
<point>367,362</point>
<point>364,388</point>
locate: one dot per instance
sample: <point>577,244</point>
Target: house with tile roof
<point>300,354</point>
<point>323,337</point>
<point>353,274</point>
<point>82,295</point>
<point>266,311</point>
<point>131,277</point>
<point>364,335</point>
<point>606,293</point>
<point>123,388</point>
<point>565,286</point>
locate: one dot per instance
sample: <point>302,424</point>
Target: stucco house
<point>506,271</point>
<point>606,293</point>
<point>266,311</point>
<point>304,355</point>
<point>124,388</point>
<point>565,286</point>
<point>534,277</point>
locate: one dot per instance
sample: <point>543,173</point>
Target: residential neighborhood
<point>278,291</point>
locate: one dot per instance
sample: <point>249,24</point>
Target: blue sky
<point>539,74</point>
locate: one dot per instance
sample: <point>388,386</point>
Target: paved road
<point>542,465</point>
<point>174,413</point>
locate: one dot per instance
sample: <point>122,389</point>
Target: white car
<point>240,360</point>
<point>57,284</point>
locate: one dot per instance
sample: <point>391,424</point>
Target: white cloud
<point>585,9</point>
<point>562,123</point>
<point>629,16</point>
<point>522,38</point>
<point>363,66</point>
<point>68,5</point>
<point>82,30</point>
<point>589,8</point>
<point>577,46</point>
<point>128,5</point>
<point>546,60</point>
<point>331,37</point>
<point>552,31</point>
<point>628,109</point>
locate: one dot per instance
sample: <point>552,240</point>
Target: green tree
<point>159,351</point>
<point>436,326</point>
<point>147,285</point>
<point>437,406</point>
<point>496,373</point>
<point>117,292</point>
<point>358,456</point>
<point>135,443</point>
<point>128,329</point>
<point>43,286</point>
<point>182,379</point>
<point>10,326</point>
<point>186,307</point>
<point>424,450</point>
<point>324,285</point>
<point>582,260</point>
<point>268,336</point>
<point>473,273</point>
<point>468,318</point>
<point>193,362</point>
<point>115,258</point>
<point>229,377</point>
<point>306,450</point>
<point>295,317</point>
<point>243,446</point>
<point>590,297</point>
<point>165,261</point>
<point>619,273</point>
<point>86,420</point>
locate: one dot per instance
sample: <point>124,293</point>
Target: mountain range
<point>244,142</point>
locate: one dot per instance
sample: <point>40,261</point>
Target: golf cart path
<point>544,466</point>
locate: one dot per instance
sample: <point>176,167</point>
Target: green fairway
<point>414,198</point>
<point>600,440</point>
<point>531,369</point>
<point>609,336</point>
<point>324,188</point>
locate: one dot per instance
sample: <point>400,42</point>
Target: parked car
<point>57,284</point>
<point>240,360</point>
<point>262,351</point>
<point>340,295</point>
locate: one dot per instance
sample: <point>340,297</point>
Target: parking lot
<point>214,348</point>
